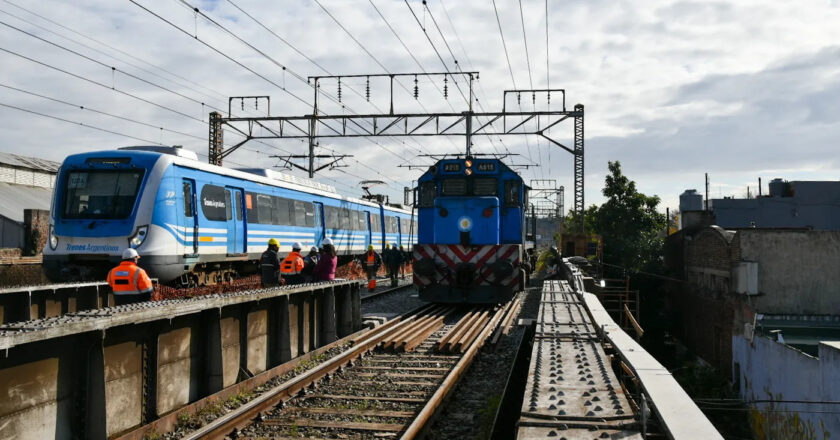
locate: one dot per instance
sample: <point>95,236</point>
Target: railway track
<point>390,382</point>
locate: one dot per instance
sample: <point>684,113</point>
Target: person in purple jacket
<point>325,269</point>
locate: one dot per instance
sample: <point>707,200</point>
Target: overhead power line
<point>127,54</point>
<point>78,123</point>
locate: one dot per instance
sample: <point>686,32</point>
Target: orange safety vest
<point>129,279</point>
<point>371,260</point>
<point>292,264</point>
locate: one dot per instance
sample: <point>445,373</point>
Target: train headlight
<point>139,237</point>
<point>53,240</point>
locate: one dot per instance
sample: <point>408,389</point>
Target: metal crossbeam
<point>396,124</point>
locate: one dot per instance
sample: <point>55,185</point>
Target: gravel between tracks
<point>392,304</point>
<point>470,412</point>
<point>217,409</point>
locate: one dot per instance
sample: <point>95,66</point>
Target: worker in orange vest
<point>371,261</point>
<point>292,265</point>
<point>128,281</point>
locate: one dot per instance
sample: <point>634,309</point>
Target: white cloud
<point>672,89</point>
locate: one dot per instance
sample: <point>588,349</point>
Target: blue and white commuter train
<point>198,223</point>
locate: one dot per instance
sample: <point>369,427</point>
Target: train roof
<point>181,157</point>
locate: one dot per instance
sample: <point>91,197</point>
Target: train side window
<point>188,198</point>
<point>362,224</point>
<point>344,218</point>
<point>331,213</point>
<point>427,194</point>
<point>511,193</point>
<point>213,202</point>
<point>375,225</point>
<point>453,187</point>
<point>300,213</point>
<point>280,214</point>
<point>228,213</point>
<point>354,220</point>
<point>309,209</point>
<point>265,209</point>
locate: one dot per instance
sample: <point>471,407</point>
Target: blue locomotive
<point>196,223</point>
<point>471,238</point>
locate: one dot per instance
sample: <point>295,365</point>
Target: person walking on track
<point>371,262</point>
<point>128,281</point>
<point>270,265</point>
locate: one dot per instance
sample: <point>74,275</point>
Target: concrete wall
<point>797,270</point>
<point>766,366</point>
<point>103,382</point>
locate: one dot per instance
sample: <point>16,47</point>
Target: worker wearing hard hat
<point>130,283</point>
<point>270,265</point>
<point>292,265</point>
<point>371,262</point>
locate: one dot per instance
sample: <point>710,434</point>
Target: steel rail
<point>222,426</point>
<point>419,423</point>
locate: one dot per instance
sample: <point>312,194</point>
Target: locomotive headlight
<point>53,240</point>
<point>139,237</point>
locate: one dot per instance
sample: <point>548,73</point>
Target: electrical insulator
<point>367,89</point>
<point>242,103</point>
<point>519,98</point>
<point>339,90</point>
<point>534,98</point>
<point>549,97</point>
<point>416,88</point>
<point>445,87</point>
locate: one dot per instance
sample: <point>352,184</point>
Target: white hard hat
<point>326,241</point>
<point>297,245</point>
<point>313,249</point>
<point>130,254</point>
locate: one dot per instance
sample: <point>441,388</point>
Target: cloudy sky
<point>740,90</point>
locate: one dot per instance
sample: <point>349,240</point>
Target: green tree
<point>629,224</point>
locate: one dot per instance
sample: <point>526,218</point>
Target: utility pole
<point>707,192</point>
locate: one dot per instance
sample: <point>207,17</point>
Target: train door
<point>235,221</point>
<point>189,219</point>
<point>319,222</point>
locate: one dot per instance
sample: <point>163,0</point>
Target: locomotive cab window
<point>427,194</point>
<point>101,194</point>
<point>454,187</point>
<point>485,187</point>
<point>511,193</point>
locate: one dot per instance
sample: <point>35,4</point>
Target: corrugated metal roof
<point>15,198</point>
<point>29,162</point>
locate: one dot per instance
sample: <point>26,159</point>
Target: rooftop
<point>31,163</point>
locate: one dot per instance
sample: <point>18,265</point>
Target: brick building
<point>760,305</point>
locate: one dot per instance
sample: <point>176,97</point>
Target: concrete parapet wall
<point>104,372</point>
<point>769,370</point>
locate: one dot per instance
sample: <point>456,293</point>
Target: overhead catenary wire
<point>530,77</point>
<point>510,67</point>
<point>130,55</point>
<point>445,66</point>
<point>57,118</point>
<point>469,61</point>
<point>285,68</point>
<point>298,76</point>
<point>457,65</point>
<point>301,53</point>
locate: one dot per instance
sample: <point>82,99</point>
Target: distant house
<point>25,183</point>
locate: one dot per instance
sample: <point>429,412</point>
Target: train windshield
<point>101,194</point>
